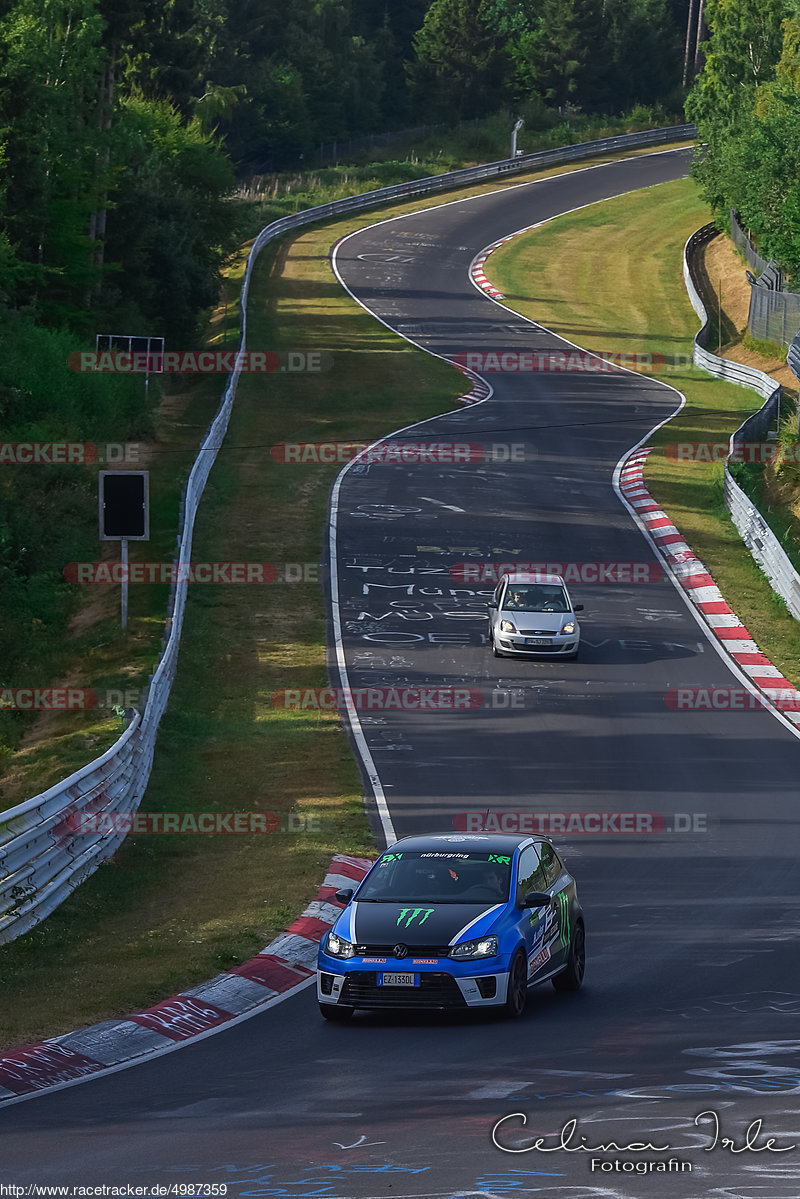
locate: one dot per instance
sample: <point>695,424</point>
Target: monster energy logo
<point>411,914</point>
<point>563,918</point>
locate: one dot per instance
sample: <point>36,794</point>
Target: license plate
<point>538,641</point>
<point>398,980</point>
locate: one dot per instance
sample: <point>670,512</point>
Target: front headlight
<point>486,947</point>
<point>507,627</point>
<point>337,947</point>
<point>569,627</point>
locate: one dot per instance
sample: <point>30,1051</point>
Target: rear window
<point>439,877</point>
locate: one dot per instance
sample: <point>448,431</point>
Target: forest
<point>123,123</point>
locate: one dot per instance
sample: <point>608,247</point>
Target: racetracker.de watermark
<point>745,452</point>
<point>66,453</point>
<point>571,572</point>
<point>67,699</point>
<point>402,453</point>
<point>567,362</point>
<point>238,573</point>
<point>580,823</point>
<point>204,823</point>
<point>731,699</point>
<point>201,362</point>
<point>395,699</point>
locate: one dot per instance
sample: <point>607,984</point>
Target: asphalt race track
<point>693,978</point>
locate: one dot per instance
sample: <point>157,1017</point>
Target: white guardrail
<point>43,854</point>
<point>754,530</point>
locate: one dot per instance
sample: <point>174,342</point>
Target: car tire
<point>335,1013</point>
<point>495,650</point>
<point>571,978</point>
<point>572,657</point>
<point>517,994</point>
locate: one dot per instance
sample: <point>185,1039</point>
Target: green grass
<point>610,278</point>
<point>768,349</point>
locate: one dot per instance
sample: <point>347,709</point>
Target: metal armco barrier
<point>754,530</point>
<point>42,856</point>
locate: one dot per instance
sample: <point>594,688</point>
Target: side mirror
<point>577,607</point>
<point>537,899</point>
<point>492,604</point>
<point>344,894</point>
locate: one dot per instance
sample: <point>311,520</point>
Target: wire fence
<point>774,312</point>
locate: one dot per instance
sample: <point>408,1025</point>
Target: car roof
<point>525,577</point>
<point>460,842</point>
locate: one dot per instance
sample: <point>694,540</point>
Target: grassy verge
<point>610,279</point>
<point>283,193</point>
<point>170,911</point>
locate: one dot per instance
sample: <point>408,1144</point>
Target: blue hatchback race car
<point>454,921</point>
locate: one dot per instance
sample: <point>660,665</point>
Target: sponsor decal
<point>412,914</point>
<point>563,917</point>
<point>539,960</point>
<point>424,961</point>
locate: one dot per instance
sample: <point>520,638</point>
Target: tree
<point>169,230</point>
<point>644,52</point>
<point>568,58</point>
<point>743,49</point>
<point>51,62</point>
<point>458,72</point>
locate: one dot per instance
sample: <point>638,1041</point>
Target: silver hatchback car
<point>533,614</point>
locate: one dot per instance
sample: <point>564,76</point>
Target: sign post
<point>144,352</point>
<point>124,509</point>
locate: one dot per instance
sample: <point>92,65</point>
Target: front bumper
<point>515,643</point>
<point>443,984</point>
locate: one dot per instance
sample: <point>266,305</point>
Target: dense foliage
<point>747,104</point>
<point>120,119</point>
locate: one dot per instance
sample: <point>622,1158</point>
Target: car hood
<point>425,924</point>
<point>544,622</point>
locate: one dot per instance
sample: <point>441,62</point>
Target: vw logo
<point>400,951</point>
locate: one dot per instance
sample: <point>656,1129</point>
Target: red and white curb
<point>288,961</point>
<point>480,389</point>
<point>477,275</point>
<point>476,271</point>
<point>700,588</point>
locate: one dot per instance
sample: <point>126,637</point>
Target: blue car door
<point>559,884</point>
<point>537,925</point>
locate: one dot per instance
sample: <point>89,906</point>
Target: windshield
<point>536,597</point>
<point>438,877</point>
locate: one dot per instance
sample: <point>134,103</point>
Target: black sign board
<point>124,505</point>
